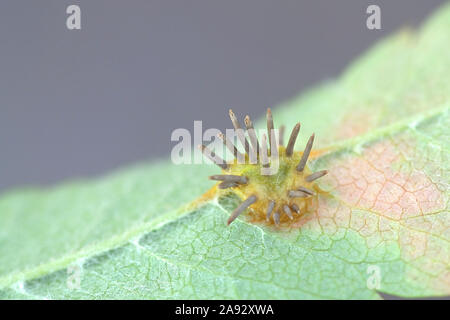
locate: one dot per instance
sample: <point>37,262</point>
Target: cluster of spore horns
<point>262,153</point>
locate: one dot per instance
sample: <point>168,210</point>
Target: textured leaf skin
<point>44,230</point>
<point>386,125</point>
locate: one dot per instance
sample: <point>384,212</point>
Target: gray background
<point>80,103</point>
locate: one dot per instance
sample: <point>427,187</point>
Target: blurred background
<point>78,103</point>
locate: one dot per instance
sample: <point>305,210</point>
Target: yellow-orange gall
<point>274,182</point>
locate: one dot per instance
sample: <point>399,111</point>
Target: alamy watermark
<point>73,21</point>
<point>374,277</point>
<point>373,21</point>
<point>73,281</point>
<point>255,149</point>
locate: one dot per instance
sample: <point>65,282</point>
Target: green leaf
<point>385,217</point>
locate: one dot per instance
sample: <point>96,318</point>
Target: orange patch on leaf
<point>381,195</point>
<point>354,124</point>
<point>371,182</point>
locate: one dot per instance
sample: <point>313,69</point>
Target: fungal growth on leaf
<point>272,180</point>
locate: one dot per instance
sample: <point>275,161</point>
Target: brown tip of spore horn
<point>316,175</point>
<point>239,131</point>
<point>241,208</point>
<point>305,155</point>
<point>234,120</point>
<point>292,138</point>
